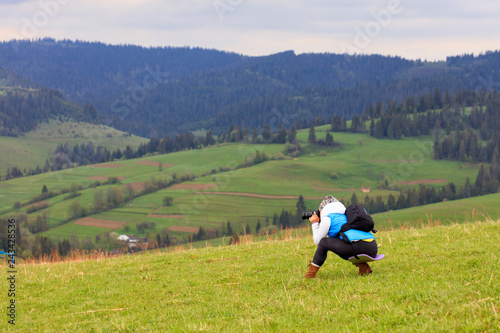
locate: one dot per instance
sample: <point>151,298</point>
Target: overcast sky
<point>425,29</point>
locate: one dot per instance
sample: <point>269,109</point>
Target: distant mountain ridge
<point>161,91</point>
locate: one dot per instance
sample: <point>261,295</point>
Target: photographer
<point>328,224</point>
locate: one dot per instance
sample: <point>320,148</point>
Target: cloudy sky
<point>425,29</point>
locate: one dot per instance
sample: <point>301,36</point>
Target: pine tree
<point>266,134</point>
<point>391,202</point>
<point>312,134</point>
<point>467,189</point>
<point>354,199</point>
<point>329,139</point>
<point>480,180</point>
<point>229,229</point>
<point>292,134</point>
<point>301,205</point>
<point>379,130</point>
<point>281,135</point>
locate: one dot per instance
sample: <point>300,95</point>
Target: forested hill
<point>21,109</point>
<point>11,79</point>
<point>158,91</point>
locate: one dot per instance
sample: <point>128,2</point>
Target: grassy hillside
<point>242,196</point>
<point>456,211</point>
<point>36,146</point>
<point>441,279</point>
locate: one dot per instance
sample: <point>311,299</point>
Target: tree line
<point>67,156</point>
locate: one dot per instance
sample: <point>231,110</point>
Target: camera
<point>307,215</point>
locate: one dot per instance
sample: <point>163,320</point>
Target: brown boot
<point>364,268</point>
<point>311,272</point>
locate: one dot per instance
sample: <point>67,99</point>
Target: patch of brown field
<point>334,189</point>
<point>104,178</point>
<point>183,229</point>
<point>423,181</point>
<point>108,224</point>
<point>166,216</point>
<point>198,187</point>
<point>105,165</point>
<point>260,196</point>
<point>38,204</point>
<point>136,186</point>
<point>153,163</point>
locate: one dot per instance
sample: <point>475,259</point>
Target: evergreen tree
<point>266,134</point>
<point>312,134</point>
<point>301,205</point>
<point>329,140</point>
<point>379,130</point>
<point>391,203</point>
<point>229,229</point>
<point>467,188</point>
<point>354,199</point>
<point>281,135</point>
<point>292,134</point>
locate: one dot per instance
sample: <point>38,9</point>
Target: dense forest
<point>165,91</point>
<point>465,125</point>
<point>21,110</point>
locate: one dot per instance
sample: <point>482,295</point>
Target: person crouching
<point>326,228</point>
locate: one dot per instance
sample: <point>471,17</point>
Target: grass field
<point>456,211</point>
<point>36,146</point>
<point>441,279</point>
<point>214,199</point>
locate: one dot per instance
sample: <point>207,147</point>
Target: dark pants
<point>342,249</point>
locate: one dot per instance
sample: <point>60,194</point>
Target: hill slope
<point>435,279</point>
<point>34,147</point>
<point>210,201</point>
<point>158,90</point>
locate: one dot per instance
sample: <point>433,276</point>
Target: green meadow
<point>247,196</point>
<point>36,146</point>
<point>439,279</point>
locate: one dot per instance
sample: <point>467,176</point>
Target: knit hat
<point>328,199</point>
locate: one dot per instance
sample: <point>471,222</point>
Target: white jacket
<point>320,230</point>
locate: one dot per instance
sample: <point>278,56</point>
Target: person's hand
<point>314,218</point>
